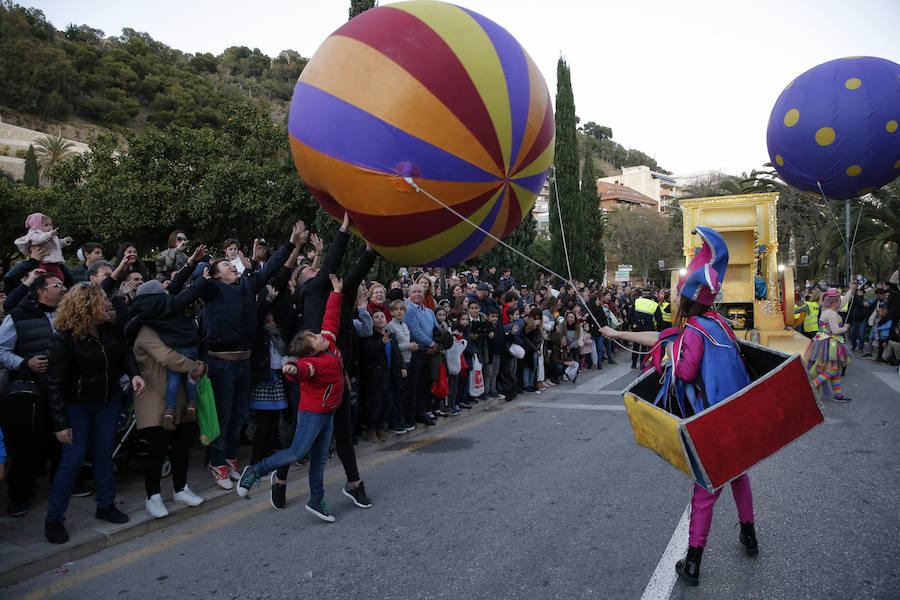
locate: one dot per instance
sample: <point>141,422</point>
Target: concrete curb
<point>45,556</point>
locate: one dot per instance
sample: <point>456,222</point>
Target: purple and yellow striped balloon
<point>431,91</point>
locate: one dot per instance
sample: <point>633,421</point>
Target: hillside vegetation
<point>130,80</point>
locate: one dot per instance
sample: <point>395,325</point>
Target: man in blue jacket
<point>421,322</point>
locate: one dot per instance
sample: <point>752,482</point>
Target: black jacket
<point>86,372</point>
<point>374,370</point>
<point>168,316</point>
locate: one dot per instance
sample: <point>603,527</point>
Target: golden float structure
<point>748,225</point>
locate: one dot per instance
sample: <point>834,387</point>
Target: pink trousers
<point>702,508</point>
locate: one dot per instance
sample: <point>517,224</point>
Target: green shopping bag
<point>207,418</point>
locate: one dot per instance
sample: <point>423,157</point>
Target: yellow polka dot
<point>865,191</point>
<point>813,194</point>
<point>825,136</point>
<point>891,126</point>
<point>897,165</point>
<point>852,84</point>
<point>779,160</point>
<point>791,117</point>
<point>854,170</point>
<point>852,57</point>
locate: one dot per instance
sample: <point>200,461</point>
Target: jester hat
<point>704,275</point>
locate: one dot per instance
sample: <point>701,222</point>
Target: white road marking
<point>663,579</point>
<point>890,378</point>
<point>609,407</point>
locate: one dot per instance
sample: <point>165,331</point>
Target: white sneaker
<point>220,474</point>
<point>188,497</point>
<point>233,473</point>
<point>155,507</point>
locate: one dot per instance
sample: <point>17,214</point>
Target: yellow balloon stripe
<point>373,82</point>
<point>475,51</point>
<point>541,163</point>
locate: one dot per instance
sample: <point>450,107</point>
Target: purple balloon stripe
<point>471,243</point>
<point>518,86</point>
<point>532,183</point>
<point>368,142</point>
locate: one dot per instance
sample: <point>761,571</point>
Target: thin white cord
<point>419,189</point>
<point>562,227</point>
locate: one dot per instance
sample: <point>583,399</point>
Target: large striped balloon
<point>431,91</point>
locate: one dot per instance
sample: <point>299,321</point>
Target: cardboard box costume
<point>719,443</point>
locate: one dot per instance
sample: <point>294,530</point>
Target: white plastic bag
<point>476,378</point>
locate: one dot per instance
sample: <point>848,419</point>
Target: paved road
<point>545,497</point>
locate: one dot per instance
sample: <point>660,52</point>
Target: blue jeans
<point>313,435</point>
<point>94,427</point>
<point>857,333</point>
<point>175,380</point>
<point>230,381</point>
<point>599,341</point>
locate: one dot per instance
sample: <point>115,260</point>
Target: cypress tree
<point>595,258</point>
<point>566,186</point>
<point>360,6</point>
<point>31,169</point>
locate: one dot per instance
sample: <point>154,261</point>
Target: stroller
<point>130,446</point>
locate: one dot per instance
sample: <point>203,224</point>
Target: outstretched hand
<point>299,233</point>
<point>336,283</point>
<point>317,243</point>
<point>198,253</point>
<point>608,332</point>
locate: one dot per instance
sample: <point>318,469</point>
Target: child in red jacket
<point>320,369</point>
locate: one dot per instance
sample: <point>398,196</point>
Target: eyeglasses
<point>180,238</point>
<point>57,284</point>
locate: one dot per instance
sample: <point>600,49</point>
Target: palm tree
<point>51,149</point>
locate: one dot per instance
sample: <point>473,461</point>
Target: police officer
<point>663,314</point>
<point>811,321</point>
<point>642,318</point>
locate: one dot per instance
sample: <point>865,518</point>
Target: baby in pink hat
<point>42,233</point>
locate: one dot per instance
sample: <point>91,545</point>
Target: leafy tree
<point>31,169</point>
<point>641,237</point>
<point>238,182</point>
<point>358,7</point>
<point>565,191</point>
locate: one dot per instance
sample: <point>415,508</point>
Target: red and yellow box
<point>718,444</point>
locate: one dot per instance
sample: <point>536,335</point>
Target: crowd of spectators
<point>80,347</point>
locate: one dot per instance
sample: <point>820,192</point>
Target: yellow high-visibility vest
<point>811,322</point>
<point>645,305</point>
<point>665,309</point>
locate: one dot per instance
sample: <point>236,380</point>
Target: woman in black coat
<point>88,357</point>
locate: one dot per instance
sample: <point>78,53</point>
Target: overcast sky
<point>689,82</point>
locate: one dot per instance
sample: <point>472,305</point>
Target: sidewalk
<point>25,553</point>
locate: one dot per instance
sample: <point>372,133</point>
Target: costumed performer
<point>706,367</point>
<point>827,353</point>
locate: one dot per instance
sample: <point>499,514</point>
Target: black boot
<point>748,539</point>
<point>688,568</point>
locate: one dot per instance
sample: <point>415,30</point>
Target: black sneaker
<point>18,508</point>
<point>398,429</point>
<point>277,493</point>
<point>249,478</point>
<point>465,405</point>
<point>55,532</point>
<point>358,495</point>
<point>111,513</point>
<point>841,399</point>
<point>426,419</point>
<point>409,427</point>
<point>320,509</point>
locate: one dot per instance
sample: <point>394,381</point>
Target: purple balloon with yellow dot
<point>837,125</point>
